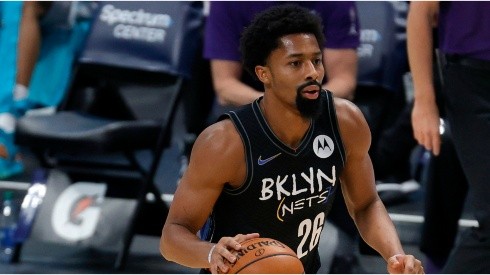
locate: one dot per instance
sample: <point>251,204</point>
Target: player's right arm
<point>217,158</point>
<point>425,114</point>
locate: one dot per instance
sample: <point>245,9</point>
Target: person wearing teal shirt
<point>37,57</point>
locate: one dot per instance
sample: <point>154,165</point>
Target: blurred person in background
<point>226,21</point>
<point>39,41</point>
<point>465,49</point>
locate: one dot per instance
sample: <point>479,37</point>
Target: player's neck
<point>288,126</point>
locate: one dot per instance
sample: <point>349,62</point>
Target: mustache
<point>309,83</point>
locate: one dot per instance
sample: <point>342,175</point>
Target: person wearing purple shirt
<point>464,41</point>
<point>226,22</point>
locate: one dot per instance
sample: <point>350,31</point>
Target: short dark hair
<point>262,36</point>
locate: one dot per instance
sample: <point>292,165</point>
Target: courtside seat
<point>123,98</point>
<point>76,131</point>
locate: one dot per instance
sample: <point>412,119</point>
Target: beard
<point>309,108</point>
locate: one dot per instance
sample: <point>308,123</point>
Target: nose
<point>311,71</point>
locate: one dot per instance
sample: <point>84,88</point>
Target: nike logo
<point>264,161</point>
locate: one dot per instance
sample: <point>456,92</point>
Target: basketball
<point>265,255</point>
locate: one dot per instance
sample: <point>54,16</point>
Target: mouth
<point>311,92</point>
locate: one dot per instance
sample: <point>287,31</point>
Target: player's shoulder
<point>219,138</point>
<point>352,123</point>
<point>346,109</point>
<point>219,153</point>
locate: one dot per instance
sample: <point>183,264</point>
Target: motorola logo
<point>323,146</point>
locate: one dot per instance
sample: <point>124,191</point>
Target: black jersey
<point>287,192</point>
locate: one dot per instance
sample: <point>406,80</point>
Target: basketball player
<point>272,168</point>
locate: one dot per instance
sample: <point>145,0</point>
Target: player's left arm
<point>361,197</point>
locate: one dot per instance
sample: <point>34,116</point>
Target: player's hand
<point>407,264</point>
<point>223,251</point>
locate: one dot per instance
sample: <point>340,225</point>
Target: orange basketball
<point>265,255</point>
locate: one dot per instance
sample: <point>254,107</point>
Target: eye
<point>295,63</point>
<point>317,61</point>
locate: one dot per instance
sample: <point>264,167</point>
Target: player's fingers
<point>419,269</point>
<point>243,237</point>
<point>224,251</point>
<point>222,267</point>
<point>228,245</point>
<point>219,256</point>
<point>411,265</point>
<point>394,265</point>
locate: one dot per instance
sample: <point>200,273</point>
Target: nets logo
<point>77,210</point>
<point>323,146</point>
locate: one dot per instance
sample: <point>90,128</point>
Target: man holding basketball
<point>272,168</point>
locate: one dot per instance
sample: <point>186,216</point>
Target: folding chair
<point>121,104</point>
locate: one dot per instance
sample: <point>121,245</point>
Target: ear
<point>263,74</point>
